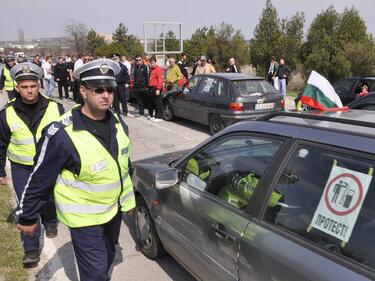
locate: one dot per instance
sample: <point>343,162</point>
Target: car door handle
<point>219,229</point>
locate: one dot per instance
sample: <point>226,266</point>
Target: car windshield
<point>249,87</point>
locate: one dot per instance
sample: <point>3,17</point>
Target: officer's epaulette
<point>56,126</point>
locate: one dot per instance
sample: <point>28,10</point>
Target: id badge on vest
<point>98,167</point>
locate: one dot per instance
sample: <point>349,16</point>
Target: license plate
<point>260,106</point>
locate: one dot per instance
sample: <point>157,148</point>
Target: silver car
<point>288,197</point>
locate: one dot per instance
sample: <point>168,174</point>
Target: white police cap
<point>98,72</point>
<point>26,71</point>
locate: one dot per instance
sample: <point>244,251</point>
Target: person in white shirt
<point>126,63</point>
<point>49,82</point>
<point>82,59</point>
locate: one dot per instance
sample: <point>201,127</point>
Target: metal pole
<point>164,38</point>
<point>155,39</point>
<point>144,38</point>
<point>182,39</point>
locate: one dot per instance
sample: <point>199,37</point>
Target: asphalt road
<point>152,142</point>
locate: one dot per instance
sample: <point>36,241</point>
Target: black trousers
<point>141,95</point>
<point>63,83</point>
<point>76,92</point>
<point>156,103</point>
<point>95,248</point>
<point>120,97</point>
<point>20,175</point>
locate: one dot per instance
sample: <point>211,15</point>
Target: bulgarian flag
<point>319,94</point>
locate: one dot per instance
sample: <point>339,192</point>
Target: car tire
<point>147,236</point>
<point>215,124</point>
<point>167,111</point>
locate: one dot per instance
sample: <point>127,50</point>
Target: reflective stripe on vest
<point>90,187</point>
<point>90,209</point>
<point>21,148</point>
<point>9,84</point>
<point>103,184</point>
<point>19,158</point>
<point>18,142</point>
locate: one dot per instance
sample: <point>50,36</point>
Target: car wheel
<point>215,123</point>
<point>147,237</point>
<point>167,111</point>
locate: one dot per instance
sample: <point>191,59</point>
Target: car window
<point>231,168</point>
<point>192,83</point>
<point>248,87</point>
<point>329,199</point>
<point>207,86</point>
<point>344,86</point>
<point>220,89</point>
<point>370,84</point>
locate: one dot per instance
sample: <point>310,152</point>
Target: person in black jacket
<point>140,84</point>
<point>283,74</point>
<point>61,77</point>
<point>122,80</point>
<point>232,66</point>
<point>182,65</point>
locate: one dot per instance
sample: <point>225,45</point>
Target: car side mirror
<point>196,182</point>
<point>166,178</point>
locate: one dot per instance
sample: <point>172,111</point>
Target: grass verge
<point>11,251</point>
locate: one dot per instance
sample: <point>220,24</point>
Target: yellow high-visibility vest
<point>9,84</point>
<point>22,146</point>
<point>94,196</point>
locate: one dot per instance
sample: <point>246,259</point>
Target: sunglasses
<point>101,90</point>
<point>138,59</point>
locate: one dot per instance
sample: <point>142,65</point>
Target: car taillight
<point>282,103</point>
<point>236,106</point>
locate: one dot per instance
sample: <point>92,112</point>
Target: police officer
<point>84,159</point>
<point>6,81</point>
<point>21,124</point>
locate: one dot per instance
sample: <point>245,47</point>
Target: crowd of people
<point>149,78</point>
<point>142,75</point>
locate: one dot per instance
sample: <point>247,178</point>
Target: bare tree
<point>77,32</point>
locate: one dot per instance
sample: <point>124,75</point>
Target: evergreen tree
<point>120,35</point>
<point>292,39</point>
<point>130,44</point>
<point>94,42</point>
<point>338,45</point>
<point>266,40</point>
<point>197,45</point>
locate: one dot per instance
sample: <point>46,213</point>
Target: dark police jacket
<point>123,76</point>
<point>140,76</point>
<point>19,107</point>
<point>59,153</point>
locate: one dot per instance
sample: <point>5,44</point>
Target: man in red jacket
<point>156,85</point>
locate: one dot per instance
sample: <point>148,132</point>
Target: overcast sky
<point>47,18</point>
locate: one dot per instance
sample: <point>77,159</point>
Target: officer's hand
<point>157,92</point>
<point>27,229</point>
<point>3,181</point>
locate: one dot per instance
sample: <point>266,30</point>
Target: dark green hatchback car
<point>221,99</point>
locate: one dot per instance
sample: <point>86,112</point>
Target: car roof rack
<point>304,115</point>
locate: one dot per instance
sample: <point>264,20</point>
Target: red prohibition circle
<point>360,187</point>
